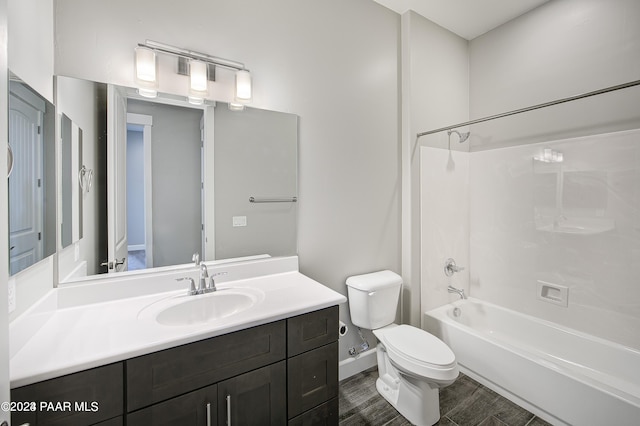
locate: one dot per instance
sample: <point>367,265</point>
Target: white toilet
<point>412,364</point>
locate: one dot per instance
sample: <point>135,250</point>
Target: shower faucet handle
<point>450,267</point>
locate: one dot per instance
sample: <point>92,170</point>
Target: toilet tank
<point>373,298</point>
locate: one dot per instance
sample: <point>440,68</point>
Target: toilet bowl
<point>412,363</point>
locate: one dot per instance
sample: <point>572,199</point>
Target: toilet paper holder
<point>342,329</point>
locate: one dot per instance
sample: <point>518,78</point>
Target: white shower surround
<point>504,202</point>
<point>513,246</point>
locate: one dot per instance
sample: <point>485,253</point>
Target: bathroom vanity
<point>276,362</point>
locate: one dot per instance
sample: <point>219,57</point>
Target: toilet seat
<point>418,352</point>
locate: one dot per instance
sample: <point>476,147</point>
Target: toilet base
<point>414,398</point>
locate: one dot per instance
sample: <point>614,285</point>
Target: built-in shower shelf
<point>579,226</point>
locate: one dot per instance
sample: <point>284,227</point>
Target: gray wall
<point>84,102</point>
<point>562,48</point>
<point>176,199</point>
<point>256,155</point>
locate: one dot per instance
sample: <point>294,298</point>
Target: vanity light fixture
<point>200,67</point>
<point>145,72</point>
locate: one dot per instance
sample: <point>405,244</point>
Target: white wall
<point>30,56</point>
<point>435,83</point>
<point>4,213</point>
<point>30,43</point>
<point>312,58</point>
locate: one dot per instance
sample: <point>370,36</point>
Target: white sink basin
<point>203,308</point>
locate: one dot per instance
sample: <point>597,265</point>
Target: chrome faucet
<point>206,284</point>
<point>460,291</point>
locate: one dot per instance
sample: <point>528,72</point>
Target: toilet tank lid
<point>374,280</point>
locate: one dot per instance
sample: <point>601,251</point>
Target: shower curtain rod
<point>534,107</point>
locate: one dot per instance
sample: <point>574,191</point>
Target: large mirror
<point>32,182</point>
<point>171,179</point>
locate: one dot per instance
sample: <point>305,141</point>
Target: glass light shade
<point>233,106</point>
<point>147,93</point>
<point>145,65</point>
<point>195,100</point>
<point>198,76</point>
<point>243,86</point>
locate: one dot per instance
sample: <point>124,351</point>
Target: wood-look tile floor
<point>464,403</point>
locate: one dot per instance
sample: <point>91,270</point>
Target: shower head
<point>462,136</point>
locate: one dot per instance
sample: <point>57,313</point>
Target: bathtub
<point>564,376</point>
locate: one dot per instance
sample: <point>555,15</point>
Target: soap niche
<point>553,293</point>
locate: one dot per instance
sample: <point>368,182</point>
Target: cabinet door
<point>256,398</point>
<point>83,398</point>
<point>195,408</point>
<point>312,378</point>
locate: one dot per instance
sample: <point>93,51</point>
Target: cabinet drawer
<point>312,378</point>
<point>84,398</point>
<point>323,415</point>
<point>312,330</point>
<point>195,408</point>
<point>162,375</point>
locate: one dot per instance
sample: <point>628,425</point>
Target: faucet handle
<point>212,283</point>
<point>450,267</point>
<point>192,285</point>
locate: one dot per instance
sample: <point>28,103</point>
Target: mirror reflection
<point>32,211</point>
<point>176,179</point>
<point>75,178</point>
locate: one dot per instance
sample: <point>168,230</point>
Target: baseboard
<point>352,366</point>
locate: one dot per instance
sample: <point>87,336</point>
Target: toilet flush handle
<point>372,293</point>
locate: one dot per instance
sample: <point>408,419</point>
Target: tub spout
<point>460,291</point>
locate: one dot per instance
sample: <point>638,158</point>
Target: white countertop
<point>67,331</point>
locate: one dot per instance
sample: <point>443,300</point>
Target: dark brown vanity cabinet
<point>285,372</point>
<point>312,368</point>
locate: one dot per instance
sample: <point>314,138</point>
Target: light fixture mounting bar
<point>191,54</point>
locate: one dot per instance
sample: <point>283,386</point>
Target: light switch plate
<point>239,221</point>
